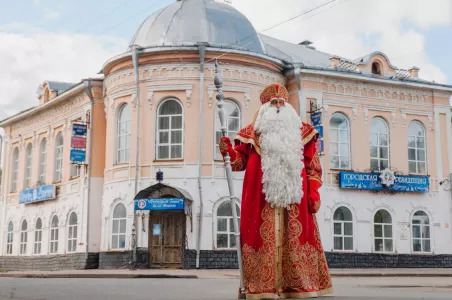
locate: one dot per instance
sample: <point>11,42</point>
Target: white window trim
<point>10,244</point>
<point>342,229</point>
<point>28,166</point>
<point>23,239</point>
<point>70,241</point>
<point>215,221</point>
<point>378,146</point>
<point>339,142</point>
<point>421,239</point>
<point>42,161</point>
<point>415,149</point>
<point>59,171</point>
<point>157,135</point>
<point>113,219</point>
<point>37,242</point>
<point>53,243</point>
<point>215,146</point>
<point>117,135</point>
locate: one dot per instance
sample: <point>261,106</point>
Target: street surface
<point>355,288</point>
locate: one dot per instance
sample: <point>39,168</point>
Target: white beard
<point>281,154</point>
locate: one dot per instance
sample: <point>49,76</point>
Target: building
<point>375,117</point>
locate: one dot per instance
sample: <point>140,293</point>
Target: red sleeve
<point>238,154</point>
<point>314,175</point>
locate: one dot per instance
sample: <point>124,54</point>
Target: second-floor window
<point>170,130</point>
<point>339,142</point>
<point>59,157</point>
<point>15,170</point>
<point>28,166</point>
<point>417,158</point>
<point>42,161</point>
<point>123,130</point>
<point>379,144</point>
<point>233,118</point>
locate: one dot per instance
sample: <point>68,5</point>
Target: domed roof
<point>187,22</point>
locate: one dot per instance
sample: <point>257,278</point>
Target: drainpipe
<point>135,53</point>
<point>202,51</point>
<point>87,88</point>
<point>301,102</point>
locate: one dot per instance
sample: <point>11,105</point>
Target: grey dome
<point>187,22</point>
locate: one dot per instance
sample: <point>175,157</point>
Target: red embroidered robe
<point>281,249</point>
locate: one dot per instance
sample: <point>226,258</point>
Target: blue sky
<point>70,40</point>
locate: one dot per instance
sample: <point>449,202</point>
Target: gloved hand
<point>226,147</point>
<point>314,196</point>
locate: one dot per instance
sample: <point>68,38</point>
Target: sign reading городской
<point>373,181</point>
<point>45,192</point>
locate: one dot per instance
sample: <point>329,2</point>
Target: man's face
<point>278,103</point>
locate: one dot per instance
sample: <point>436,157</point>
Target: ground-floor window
<point>23,238</point>
<point>118,233</point>
<point>54,235</point>
<point>9,240</point>
<point>72,233</point>
<point>38,237</point>
<point>383,232</point>
<point>224,225</point>
<point>421,232</point>
<point>343,229</point>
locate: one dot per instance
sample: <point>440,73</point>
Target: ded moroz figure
<point>282,252</point>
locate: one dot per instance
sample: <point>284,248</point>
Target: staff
<point>218,81</point>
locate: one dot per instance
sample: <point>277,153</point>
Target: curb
<point>99,276</point>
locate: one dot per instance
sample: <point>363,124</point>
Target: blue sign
<point>159,204</point>
<point>45,192</point>
<point>316,118</point>
<point>320,130</point>
<point>78,155</point>
<point>372,181</point>
<point>79,129</point>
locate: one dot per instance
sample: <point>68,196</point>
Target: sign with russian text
<point>319,146</point>
<point>159,204</point>
<point>373,181</point>
<point>78,142</point>
<point>316,118</point>
<point>79,129</point>
<point>78,155</point>
<point>42,193</point>
<point>319,130</point>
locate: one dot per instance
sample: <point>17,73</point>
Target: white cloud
<point>29,55</point>
<point>51,14</point>
<point>341,27</point>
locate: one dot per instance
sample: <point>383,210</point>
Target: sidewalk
<point>215,274</point>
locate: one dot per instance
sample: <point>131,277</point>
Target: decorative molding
<point>230,88</point>
<point>393,116</point>
<point>355,113</point>
<point>416,112</point>
<point>366,114</point>
<point>340,103</point>
<point>170,87</point>
<point>380,108</point>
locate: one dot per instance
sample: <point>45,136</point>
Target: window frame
<point>71,236</point>
<point>342,235</point>
<point>339,142</point>
<point>169,130</point>
<point>58,170</point>
<point>53,242</point>
<point>37,244</point>
<point>23,238</point>
<point>218,156</point>
<point>388,133</point>
<point>42,169</point>
<point>119,233</point>
<point>10,238</point>
<point>416,161</point>
<point>15,170</point>
<point>383,238</point>
<point>229,231</point>
<point>127,135</point>
<point>422,226</point>
<point>28,166</point>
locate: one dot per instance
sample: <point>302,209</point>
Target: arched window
<point>417,158</point>
<point>23,238</point>
<point>383,232</point>
<point>233,123</point>
<point>421,232</point>
<point>42,161</point>
<point>15,170</point>
<point>376,68</point>
<point>59,157</point>
<point>224,227</point>
<point>118,232</point>
<point>170,130</point>
<point>72,233</point>
<point>9,240</point>
<point>38,237</point>
<point>123,131</point>
<point>54,235</point>
<point>343,229</point>
<point>339,142</point>
<point>28,166</point>
<point>379,144</point>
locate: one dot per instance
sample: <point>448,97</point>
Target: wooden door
<point>166,249</point>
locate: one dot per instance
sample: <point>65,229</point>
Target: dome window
<point>376,68</point>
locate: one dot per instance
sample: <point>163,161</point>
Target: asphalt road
<point>212,289</point>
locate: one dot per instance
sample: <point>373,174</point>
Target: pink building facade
<point>374,117</point>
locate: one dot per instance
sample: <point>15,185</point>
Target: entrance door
<point>167,232</point>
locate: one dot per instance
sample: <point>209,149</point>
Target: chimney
<point>334,60</point>
<point>414,72</point>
